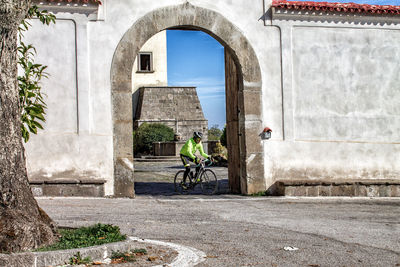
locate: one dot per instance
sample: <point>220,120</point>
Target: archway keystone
<point>248,88</point>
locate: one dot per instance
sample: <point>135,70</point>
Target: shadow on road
<point>168,189</point>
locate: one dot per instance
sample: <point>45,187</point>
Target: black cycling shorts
<point>186,160</point>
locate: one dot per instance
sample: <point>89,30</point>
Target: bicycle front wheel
<point>180,187</point>
<point>209,182</point>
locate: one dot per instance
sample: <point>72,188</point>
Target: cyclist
<point>188,150</point>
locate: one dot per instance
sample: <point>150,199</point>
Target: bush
<point>147,134</point>
<point>223,137</point>
<point>214,133</point>
<point>220,155</point>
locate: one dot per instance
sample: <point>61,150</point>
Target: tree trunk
<point>23,225</point>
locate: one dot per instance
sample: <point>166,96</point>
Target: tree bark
<point>23,225</point>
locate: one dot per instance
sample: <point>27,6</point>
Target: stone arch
<point>248,86</point>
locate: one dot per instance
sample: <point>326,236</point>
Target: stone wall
<point>176,107</point>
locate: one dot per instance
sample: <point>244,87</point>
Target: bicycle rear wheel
<point>209,182</point>
<point>180,187</point>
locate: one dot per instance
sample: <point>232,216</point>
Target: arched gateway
<point>243,93</point>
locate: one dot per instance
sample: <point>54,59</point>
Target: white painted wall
<point>339,99</point>
<point>330,92</point>
<point>157,45</point>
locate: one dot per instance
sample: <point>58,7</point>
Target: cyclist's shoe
<point>198,180</point>
<point>184,186</point>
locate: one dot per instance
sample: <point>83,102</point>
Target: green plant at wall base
<point>259,194</point>
<point>78,260</point>
<point>32,104</point>
<point>147,134</point>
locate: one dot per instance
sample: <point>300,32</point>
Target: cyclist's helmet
<point>198,135</point>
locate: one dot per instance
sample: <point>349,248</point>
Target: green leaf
<point>37,124</point>
<point>31,99</point>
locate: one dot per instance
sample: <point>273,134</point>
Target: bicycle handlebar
<point>206,162</point>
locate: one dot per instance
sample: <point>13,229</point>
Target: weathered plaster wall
<point>340,116</point>
<point>157,45</point>
<point>350,91</point>
<point>329,90</point>
<point>68,147</point>
<point>90,150</point>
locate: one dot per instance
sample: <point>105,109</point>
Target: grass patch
<point>97,234</point>
<point>259,194</point>
<point>78,260</point>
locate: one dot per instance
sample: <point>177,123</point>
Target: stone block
<point>289,190</point>
<point>207,19</point>
<point>67,190</point>
<point>252,102</point>
<point>122,106</point>
<point>296,191</point>
<point>342,190</point>
<point>312,191</point>
<point>123,140</point>
<point>361,190</point>
<point>123,180</point>
<point>252,138</point>
<point>395,190</point>
<point>324,190</point>
<point>384,191</point>
<point>255,173</point>
<point>373,191</point>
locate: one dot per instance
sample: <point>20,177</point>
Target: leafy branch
<point>32,103</point>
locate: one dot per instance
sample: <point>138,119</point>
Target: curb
<point>187,256</point>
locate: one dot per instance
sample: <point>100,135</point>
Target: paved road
<point>157,178</point>
<point>243,231</point>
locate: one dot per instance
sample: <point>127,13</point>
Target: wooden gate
<point>232,122</point>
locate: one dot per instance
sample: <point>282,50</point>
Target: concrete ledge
<point>360,188</point>
<point>186,255</point>
<point>61,257</point>
<point>65,187</point>
<point>341,182</point>
<point>157,159</point>
<point>66,181</point>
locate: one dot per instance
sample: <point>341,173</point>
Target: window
<point>145,63</point>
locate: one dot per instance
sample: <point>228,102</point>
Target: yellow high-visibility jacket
<point>191,147</point>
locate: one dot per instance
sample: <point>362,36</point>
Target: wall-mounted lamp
<point>266,133</point>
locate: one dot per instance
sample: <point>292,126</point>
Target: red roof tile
<point>337,7</point>
<point>73,1</point>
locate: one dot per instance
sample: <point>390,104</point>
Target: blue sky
<point>196,59</point>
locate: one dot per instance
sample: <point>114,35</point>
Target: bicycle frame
<point>210,182</point>
<point>202,167</point>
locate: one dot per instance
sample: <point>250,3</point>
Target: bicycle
<point>205,177</point>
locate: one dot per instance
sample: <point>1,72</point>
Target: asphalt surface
<point>235,230</point>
